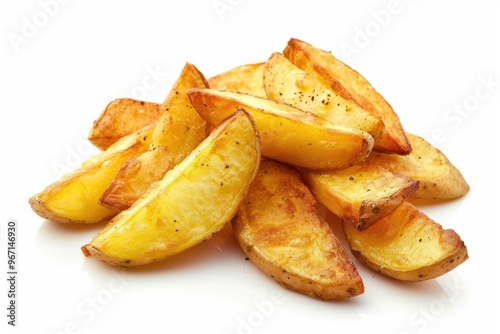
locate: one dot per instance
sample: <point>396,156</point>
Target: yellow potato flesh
<point>352,86</point>
<point>75,197</point>
<point>245,78</point>
<point>407,245</point>
<point>361,194</point>
<point>286,83</point>
<point>438,178</point>
<point>288,134</point>
<point>193,201</point>
<point>178,130</point>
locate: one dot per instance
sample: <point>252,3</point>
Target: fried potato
<point>286,83</point>
<point>362,194</point>
<point>288,134</point>
<point>122,117</point>
<point>407,245</point>
<point>180,128</point>
<point>245,78</point>
<point>135,177</point>
<point>193,201</point>
<point>279,229</point>
<point>177,132</point>
<point>74,198</point>
<point>438,178</point>
<point>352,86</point>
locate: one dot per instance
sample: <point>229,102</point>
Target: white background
<point>62,62</point>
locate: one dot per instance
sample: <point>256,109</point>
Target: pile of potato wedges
<point>260,147</point>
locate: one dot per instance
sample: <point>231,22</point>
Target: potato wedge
<point>193,201</point>
<point>438,178</point>
<point>362,194</point>
<point>288,134</point>
<point>180,128</point>
<point>286,83</point>
<point>352,86</point>
<point>135,177</point>
<point>122,117</point>
<point>279,229</point>
<point>75,197</point>
<point>407,245</point>
<point>178,131</point>
<point>245,78</point>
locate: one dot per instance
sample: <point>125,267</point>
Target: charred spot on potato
<point>85,251</point>
<point>361,226</point>
<point>356,253</point>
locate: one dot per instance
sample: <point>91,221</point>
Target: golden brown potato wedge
<point>245,78</point>
<point>180,128</point>
<point>407,245</point>
<point>362,194</point>
<point>193,201</point>
<point>178,131</point>
<point>288,134</point>
<point>279,229</point>
<point>75,197</point>
<point>438,178</point>
<point>122,117</point>
<point>135,177</point>
<point>286,83</point>
<point>352,86</point>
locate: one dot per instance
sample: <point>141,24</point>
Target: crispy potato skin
<point>122,117</point>
<point>362,194</point>
<point>438,178</point>
<point>352,86</point>
<point>407,245</point>
<point>280,230</point>
<point>194,200</point>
